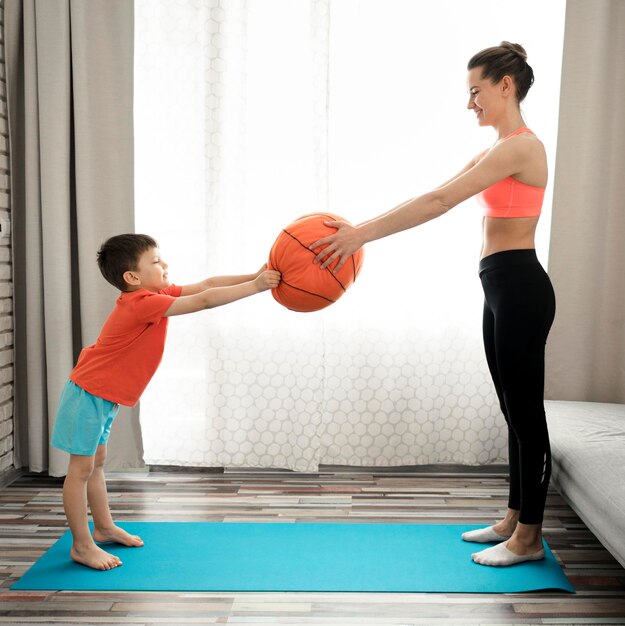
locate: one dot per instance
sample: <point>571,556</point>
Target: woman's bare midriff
<point>505,233</point>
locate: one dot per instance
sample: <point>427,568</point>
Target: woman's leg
<point>524,310</point>
<point>523,319</point>
<point>506,527</point>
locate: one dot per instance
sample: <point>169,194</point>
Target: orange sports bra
<point>510,197</point>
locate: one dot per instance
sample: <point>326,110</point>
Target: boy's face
<point>151,272</point>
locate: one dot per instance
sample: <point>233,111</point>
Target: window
<point>248,115</point>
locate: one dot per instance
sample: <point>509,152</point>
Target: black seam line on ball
<point>309,250</point>
<point>310,293</point>
<point>330,217</point>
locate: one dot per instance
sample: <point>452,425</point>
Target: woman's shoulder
<point>527,138</point>
<point>524,145</point>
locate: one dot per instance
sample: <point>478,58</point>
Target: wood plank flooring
<point>32,518</point>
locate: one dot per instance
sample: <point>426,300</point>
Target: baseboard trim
<point>10,476</point>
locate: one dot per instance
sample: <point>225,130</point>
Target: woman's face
<point>485,97</point>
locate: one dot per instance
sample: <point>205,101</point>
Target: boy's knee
<point>100,457</point>
<point>80,467</point>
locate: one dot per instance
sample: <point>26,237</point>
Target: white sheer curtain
<point>250,114</point>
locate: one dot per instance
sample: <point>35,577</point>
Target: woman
<point>509,179</point>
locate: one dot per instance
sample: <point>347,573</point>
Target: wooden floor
<point>31,519</point>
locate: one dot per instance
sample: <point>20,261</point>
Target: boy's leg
<point>84,550</point>
<point>104,527</point>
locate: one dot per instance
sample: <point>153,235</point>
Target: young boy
<point>116,370</point>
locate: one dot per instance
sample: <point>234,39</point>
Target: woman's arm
<point>466,168</point>
<point>505,159</point>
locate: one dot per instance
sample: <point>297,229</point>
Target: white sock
<point>499,555</point>
<point>483,535</point>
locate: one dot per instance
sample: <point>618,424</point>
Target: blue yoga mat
<point>214,556</point>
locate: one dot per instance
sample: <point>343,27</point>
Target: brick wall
<point>6,281</point>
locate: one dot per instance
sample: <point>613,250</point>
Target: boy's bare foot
<point>116,534</point>
<point>94,557</point>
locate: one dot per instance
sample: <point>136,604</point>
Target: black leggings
<point>519,308</point>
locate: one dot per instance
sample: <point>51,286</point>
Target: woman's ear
<point>506,85</point>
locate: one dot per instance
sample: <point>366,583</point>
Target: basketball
<point>305,287</point>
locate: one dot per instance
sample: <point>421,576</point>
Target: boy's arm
<point>218,296</point>
<point>219,281</point>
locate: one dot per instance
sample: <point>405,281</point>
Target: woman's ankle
<point>528,534</point>
<point>508,524</point>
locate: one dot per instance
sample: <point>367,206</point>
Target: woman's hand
<point>339,245</point>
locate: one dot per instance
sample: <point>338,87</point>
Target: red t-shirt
<point>121,363</point>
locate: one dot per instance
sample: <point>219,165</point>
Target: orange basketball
<point>305,286</point>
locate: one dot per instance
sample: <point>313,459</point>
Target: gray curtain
<point>586,348</point>
<point>70,95</point>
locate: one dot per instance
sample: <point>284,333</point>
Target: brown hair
<point>120,254</point>
<point>506,59</point>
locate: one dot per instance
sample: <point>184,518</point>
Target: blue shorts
<point>83,421</point>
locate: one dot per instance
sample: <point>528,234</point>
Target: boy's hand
<point>268,279</point>
<point>260,271</point>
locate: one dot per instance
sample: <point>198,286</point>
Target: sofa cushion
<point>588,450</point>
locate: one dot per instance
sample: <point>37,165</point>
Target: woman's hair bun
<point>515,47</point>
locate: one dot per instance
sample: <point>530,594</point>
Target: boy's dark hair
<point>120,254</point>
